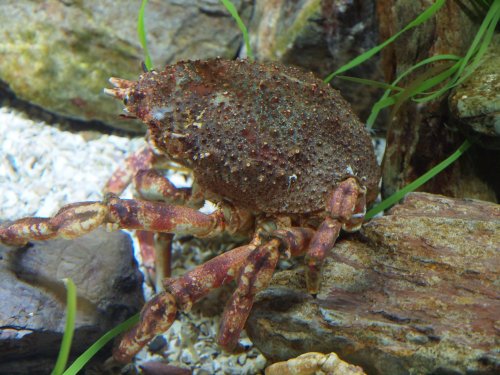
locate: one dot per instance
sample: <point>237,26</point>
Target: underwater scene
<point>250,187</point>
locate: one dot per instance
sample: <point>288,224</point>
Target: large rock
<point>415,293</point>
<point>60,54</point>
<point>320,36</point>
<point>420,135</point>
<point>475,104</point>
<point>32,316</point>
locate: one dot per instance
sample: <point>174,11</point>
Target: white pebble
<point>42,167</point>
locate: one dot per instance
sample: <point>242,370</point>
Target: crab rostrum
<point>281,154</point>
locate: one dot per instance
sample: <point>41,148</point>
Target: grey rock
<point>60,54</point>
<point>475,104</point>
<point>32,316</point>
<point>415,293</point>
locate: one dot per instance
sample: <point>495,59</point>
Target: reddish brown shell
<point>266,137</point>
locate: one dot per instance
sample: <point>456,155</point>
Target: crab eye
<point>125,99</point>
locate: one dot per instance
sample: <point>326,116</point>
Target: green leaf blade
<point>86,356</point>
<point>141,33</point>
<point>64,350</point>
<point>421,18</point>
<point>234,13</point>
<point>394,198</point>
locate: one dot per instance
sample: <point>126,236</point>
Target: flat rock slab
<point>59,54</point>
<point>416,292</point>
<point>32,316</point>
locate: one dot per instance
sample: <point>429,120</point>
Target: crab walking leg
<point>255,275</point>
<point>146,243</point>
<point>143,158</point>
<point>295,240</point>
<point>156,254</point>
<point>323,241</point>
<point>166,218</point>
<point>149,184</point>
<point>346,209</point>
<point>159,313</point>
<point>71,221</point>
<point>78,219</point>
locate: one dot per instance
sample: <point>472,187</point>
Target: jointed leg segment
<point>77,219</point>
<point>252,265</point>
<point>159,313</point>
<point>345,209</point>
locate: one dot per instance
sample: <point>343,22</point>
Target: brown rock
<point>320,36</point>
<point>419,135</point>
<point>416,292</point>
<point>475,104</point>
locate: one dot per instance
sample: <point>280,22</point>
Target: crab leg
<point>143,158</point>
<point>254,263</point>
<point>345,209</point>
<point>156,254</point>
<point>71,221</point>
<point>77,219</point>
<point>156,260</point>
<point>159,313</point>
<point>149,184</point>
<point>255,275</point>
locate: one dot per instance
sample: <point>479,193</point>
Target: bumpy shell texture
<point>267,137</point>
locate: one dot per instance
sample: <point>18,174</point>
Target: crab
<point>278,151</point>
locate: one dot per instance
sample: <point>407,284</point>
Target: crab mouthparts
<point>122,87</point>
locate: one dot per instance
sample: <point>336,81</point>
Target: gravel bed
<point>43,167</point>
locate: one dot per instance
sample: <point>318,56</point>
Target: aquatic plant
<point>69,329</point>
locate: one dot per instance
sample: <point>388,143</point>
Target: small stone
<point>158,344</point>
<point>204,330</point>
<point>216,366</point>
<point>186,357</point>
<point>242,358</point>
<point>260,362</point>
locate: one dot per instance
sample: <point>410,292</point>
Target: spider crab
<point>280,152</point>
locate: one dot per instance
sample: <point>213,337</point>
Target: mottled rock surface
<point>60,54</point>
<point>415,293</point>
<point>32,317</point>
<point>320,36</point>
<point>475,104</point>
<point>420,135</point>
